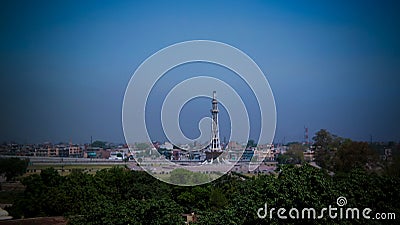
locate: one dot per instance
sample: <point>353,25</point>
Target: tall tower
<point>306,139</point>
<point>215,144</point>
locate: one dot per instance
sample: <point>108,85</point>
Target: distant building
<point>104,154</point>
<point>189,218</point>
<point>167,146</point>
<point>92,152</point>
<point>116,156</point>
<point>156,144</point>
<point>266,152</point>
<point>45,150</point>
<point>62,151</point>
<point>41,152</point>
<point>75,151</point>
<point>119,154</point>
<point>309,155</point>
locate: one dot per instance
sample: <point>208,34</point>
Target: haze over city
<point>65,65</point>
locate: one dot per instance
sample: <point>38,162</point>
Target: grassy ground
<point>66,169</point>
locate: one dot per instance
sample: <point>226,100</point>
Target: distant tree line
<point>294,155</point>
<point>99,144</point>
<point>341,155</point>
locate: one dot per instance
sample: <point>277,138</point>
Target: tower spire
<point>215,143</point>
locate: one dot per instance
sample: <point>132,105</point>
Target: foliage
<point>13,167</point>
<point>325,145</point>
<point>393,168</point>
<point>185,177</point>
<point>251,144</point>
<point>99,144</point>
<point>9,196</point>
<point>295,155</point>
<point>353,154</point>
<point>132,211</point>
<point>343,155</point>
<point>120,196</point>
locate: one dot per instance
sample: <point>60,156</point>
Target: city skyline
<point>65,65</point>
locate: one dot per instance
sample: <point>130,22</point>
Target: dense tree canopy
<point>99,144</point>
<point>120,196</point>
<point>340,155</point>
<point>12,167</point>
<point>295,154</point>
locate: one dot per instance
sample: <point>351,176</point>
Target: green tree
<point>99,144</point>
<point>218,199</point>
<point>294,155</point>
<point>251,143</point>
<point>185,177</point>
<point>393,167</point>
<point>353,154</point>
<point>120,196</point>
<point>323,139</point>
<point>325,145</point>
<point>13,167</point>
<point>50,177</point>
<point>192,199</point>
<point>31,203</point>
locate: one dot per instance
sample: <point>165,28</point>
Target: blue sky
<point>65,64</point>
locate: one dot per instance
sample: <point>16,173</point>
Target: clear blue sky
<point>64,65</point>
